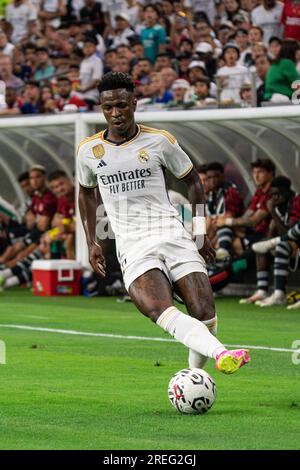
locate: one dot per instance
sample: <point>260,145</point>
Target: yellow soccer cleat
<point>229,362</point>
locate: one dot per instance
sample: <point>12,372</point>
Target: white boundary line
<point>138,338</point>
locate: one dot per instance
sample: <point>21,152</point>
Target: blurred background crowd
<point>181,53</point>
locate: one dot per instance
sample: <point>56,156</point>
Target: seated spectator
<point>47,100</point>
<point>256,34</point>
<point>138,50</point>
<point>91,70</point>
<point>143,70</point>
<point>110,58</point>
<point>92,12</point>
<point>242,40</point>
<point>122,65</point>
<point>6,73</point>
<point>180,88</point>
<point>231,76</point>
<point>283,73</point>
<point>20,68</point>
<point>232,8</point>
<point>246,95</point>
<point>262,65</point>
<point>223,198</point>
<point>163,60</point>
<point>6,47</point>
<point>13,102</point>
<point>153,36</point>
<point>31,98</point>
<point>196,70</point>
<point>180,29</point>
<point>284,208</point>
<point>268,17</point>
<point>44,68</point>
<point>66,97</point>
<point>202,94</point>
<point>275,44</point>
<point>20,14</point>
<point>125,50</point>
<point>183,61</point>
<point>159,92</point>
<point>290,20</point>
<point>204,52</point>
<point>256,219</point>
<point>50,13</point>
<point>168,75</point>
<point>122,31</point>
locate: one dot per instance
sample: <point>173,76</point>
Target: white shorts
<point>175,258</point>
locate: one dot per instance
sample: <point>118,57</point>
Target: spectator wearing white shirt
<point>268,17</point>
<point>19,14</point>
<point>111,8</point>
<point>6,47</point>
<point>232,76</point>
<point>122,31</point>
<point>91,71</point>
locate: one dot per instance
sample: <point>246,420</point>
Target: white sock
<point>6,273</point>
<point>11,282</point>
<point>196,359</point>
<point>190,332</point>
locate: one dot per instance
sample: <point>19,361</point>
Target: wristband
<point>199,225</point>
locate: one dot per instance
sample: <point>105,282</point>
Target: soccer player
<point>126,161</point>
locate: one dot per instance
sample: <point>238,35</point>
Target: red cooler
<point>56,277</point>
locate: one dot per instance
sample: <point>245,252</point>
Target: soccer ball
<point>192,391</point>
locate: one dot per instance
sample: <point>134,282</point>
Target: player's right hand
<point>97,260</point>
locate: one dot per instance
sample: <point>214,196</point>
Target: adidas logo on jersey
<point>101,164</point>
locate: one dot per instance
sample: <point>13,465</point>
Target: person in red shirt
<point>284,208</point>
<point>256,220</point>
<point>66,97</point>
<point>291,19</point>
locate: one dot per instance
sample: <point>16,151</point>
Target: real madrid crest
<point>98,151</point>
<point>143,156</point>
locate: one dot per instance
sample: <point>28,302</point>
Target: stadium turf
<point>61,391</point>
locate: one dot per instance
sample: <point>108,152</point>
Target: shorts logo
<point>98,151</point>
<point>143,156</point>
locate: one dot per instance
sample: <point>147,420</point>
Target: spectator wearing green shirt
<point>153,36</point>
<point>283,72</point>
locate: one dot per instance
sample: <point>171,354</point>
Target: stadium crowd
<point>266,231</point>
<point>181,53</point>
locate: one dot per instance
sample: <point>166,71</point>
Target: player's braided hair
<point>116,80</point>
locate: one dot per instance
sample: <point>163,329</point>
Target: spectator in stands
<point>262,65</point>
<point>202,94</point>
<point>91,70</point>
<point>246,95</point>
<point>122,32</point>
<point>180,88</point>
<point>256,34</point>
<point>32,98</point>
<point>143,70</point>
<point>291,19</point>
<point>202,172</point>
<point>138,50</point>
<point>168,75</point>
<point>66,97</point>
<point>13,102</point>
<point>20,68</point>
<point>268,17</point>
<point>50,13</point>
<point>196,71</point>
<point>124,50</point>
<point>242,40</point>
<point>133,9</point>
<point>122,65</point>
<point>159,93</point>
<point>153,35</point>
<point>284,208</point>
<point>47,100</point>
<point>204,52</point>
<point>283,72</point>
<point>110,58</point>
<point>256,218</point>
<point>6,73</point>
<point>275,44</point>
<point>6,48</point>
<point>44,68</point>
<point>163,60</point>
<point>20,14</point>
<point>223,199</point>
<point>231,76</point>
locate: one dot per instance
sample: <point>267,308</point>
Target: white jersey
<point>131,181</point>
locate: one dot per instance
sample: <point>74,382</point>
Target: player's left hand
<point>207,251</point>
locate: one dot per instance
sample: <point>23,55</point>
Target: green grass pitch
<point>60,391</point>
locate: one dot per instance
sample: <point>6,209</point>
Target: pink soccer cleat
<point>229,362</point>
